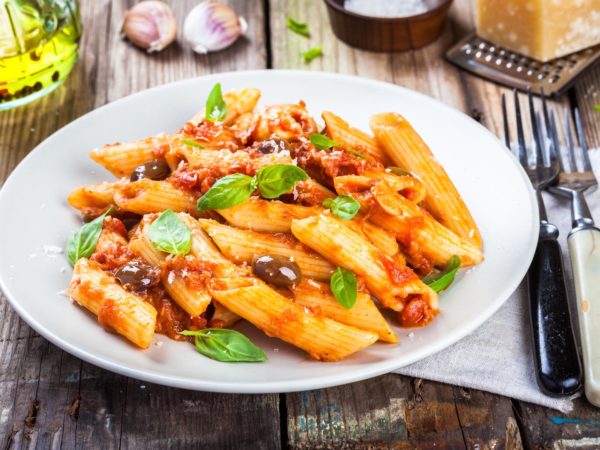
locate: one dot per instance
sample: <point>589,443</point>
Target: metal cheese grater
<point>511,69</point>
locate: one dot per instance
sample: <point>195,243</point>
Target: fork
<point>558,369</point>
<point>584,246</point>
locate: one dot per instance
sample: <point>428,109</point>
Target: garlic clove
<point>211,26</point>
<point>150,25</point>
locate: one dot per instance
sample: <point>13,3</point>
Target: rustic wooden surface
<point>50,399</point>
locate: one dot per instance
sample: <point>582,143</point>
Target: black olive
<point>154,170</point>
<point>277,270</point>
<point>273,145</point>
<point>137,276</point>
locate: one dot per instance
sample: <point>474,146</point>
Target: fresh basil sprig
<point>343,206</point>
<point>82,242</point>
<point>216,109</point>
<point>193,144</point>
<point>322,142</point>
<point>168,234</point>
<point>226,345</point>
<point>440,281</point>
<point>278,179</point>
<point>344,287</point>
<point>298,27</point>
<point>272,181</point>
<point>311,54</point>
<point>228,191</point>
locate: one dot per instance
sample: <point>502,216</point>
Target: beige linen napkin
<point>497,357</point>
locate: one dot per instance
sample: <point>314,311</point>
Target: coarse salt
<point>386,8</point>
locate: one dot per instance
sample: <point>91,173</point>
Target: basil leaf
<point>227,192</point>
<point>216,109</point>
<point>311,54</point>
<point>168,234</point>
<point>440,281</point>
<point>355,153</point>
<point>322,142</point>
<point>344,287</point>
<point>226,345</point>
<point>398,171</point>
<point>82,242</point>
<point>343,206</point>
<point>597,108</point>
<point>278,179</point>
<point>193,144</point>
<point>298,27</point>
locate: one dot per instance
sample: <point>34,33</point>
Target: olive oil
<point>38,47</point>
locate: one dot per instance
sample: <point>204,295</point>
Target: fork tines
<point>542,151</point>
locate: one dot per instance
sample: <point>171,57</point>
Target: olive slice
<point>153,170</point>
<point>273,145</point>
<point>137,276</point>
<point>277,270</point>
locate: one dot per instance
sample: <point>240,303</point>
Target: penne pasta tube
<point>350,137</point>
<point>121,159</point>
<point>270,216</point>
<point>364,314</point>
<point>406,185</point>
<point>408,150</point>
<point>222,317</point>
<point>243,246</point>
<point>149,196</point>
<point>238,101</point>
<point>324,339</point>
<point>419,234</point>
<point>94,199</point>
<point>392,284</point>
<point>117,309</point>
<point>224,161</point>
<point>182,278</point>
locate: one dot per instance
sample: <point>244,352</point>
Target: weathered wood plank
<point>49,399</point>
<point>198,419</point>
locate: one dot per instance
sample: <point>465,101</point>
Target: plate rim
<point>369,370</point>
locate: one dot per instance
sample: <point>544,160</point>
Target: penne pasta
<point>392,284</point>
<point>179,276</point>
<point>419,234</point>
<point>149,196</point>
<point>350,137</point>
<point>116,309</point>
<point>94,199</point>
<point>324,339</point>
<point>238,101</point>
<point>204,274</point>
<point>121,159</point>
<point>270,216</point>
<point>243,246</point>
<point>406,148</point>
<point>406,185</point>
<point>222,317</point>
<point>364,314</point>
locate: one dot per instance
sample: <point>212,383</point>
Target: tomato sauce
<point>397,273</point>
<point>416,313</point>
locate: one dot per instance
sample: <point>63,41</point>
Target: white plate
<point>35,214</point>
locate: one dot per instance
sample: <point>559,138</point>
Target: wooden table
<point>50,399</point>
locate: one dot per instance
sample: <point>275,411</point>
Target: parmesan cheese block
<point>540,29</point>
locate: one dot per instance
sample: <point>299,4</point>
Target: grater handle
<point>584,247</point>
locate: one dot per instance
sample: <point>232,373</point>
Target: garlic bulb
<point>150,25</point>
<point>212,26</point>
